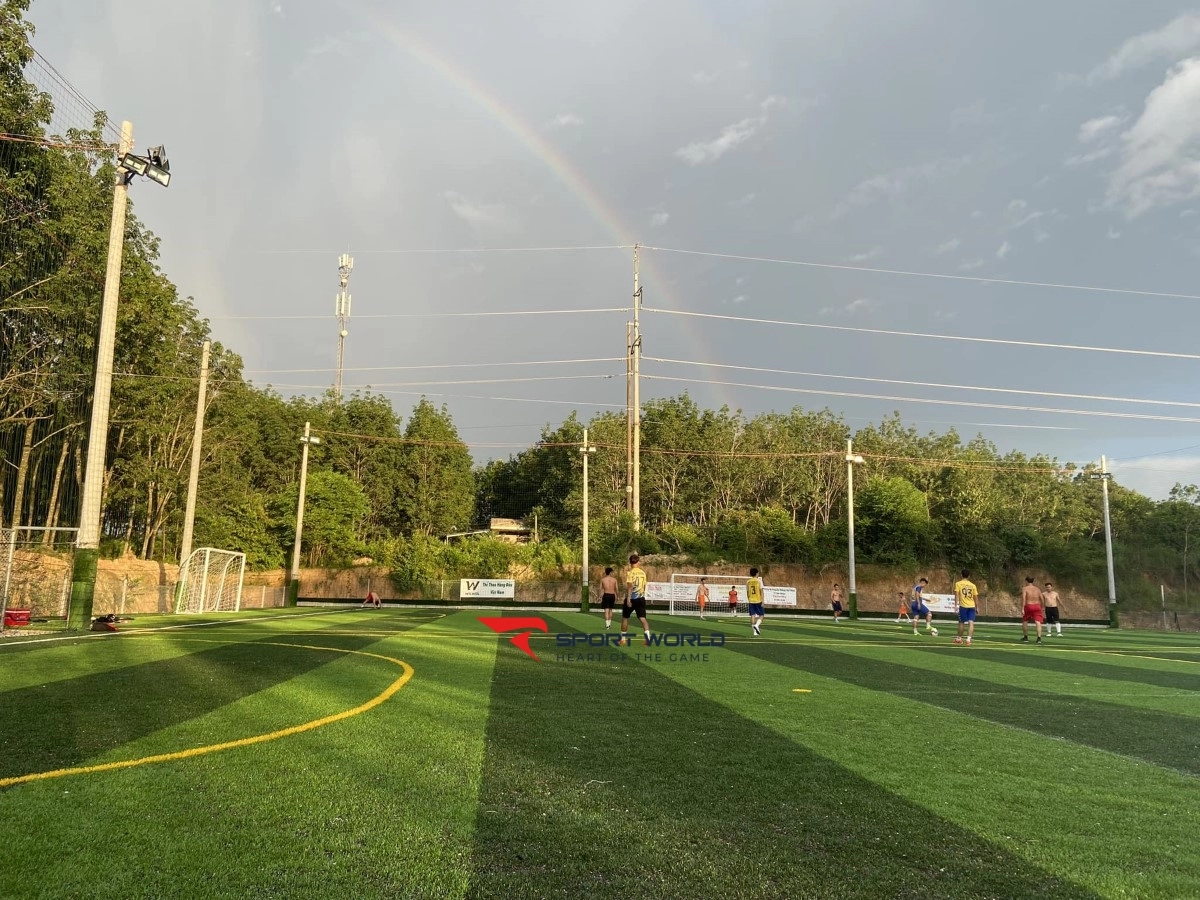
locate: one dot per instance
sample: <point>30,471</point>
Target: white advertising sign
<point>494,588</point>
<point>940,603</point>
<point>660,592</point>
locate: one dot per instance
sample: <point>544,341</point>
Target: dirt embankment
<point>131,585</point>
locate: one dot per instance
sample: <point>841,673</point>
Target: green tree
<point>436,488</point>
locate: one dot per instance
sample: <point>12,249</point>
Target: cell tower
<point>342,311</point>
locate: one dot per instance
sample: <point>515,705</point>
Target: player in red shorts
<point>1031,602</point>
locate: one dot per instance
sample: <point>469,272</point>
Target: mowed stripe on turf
<point>1073,810</point>
<point>613,779</point>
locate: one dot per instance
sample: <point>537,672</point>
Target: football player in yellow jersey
<point>965,597</point>
<point>754,597</point>
<point>635,600</point>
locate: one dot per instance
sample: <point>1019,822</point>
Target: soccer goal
<point>210,580</point>
<point>683,593</point>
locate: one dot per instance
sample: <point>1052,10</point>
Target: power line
<point>941,275</point>
<point>440,315</point>
<point>472,365</point>
<point>416,250</point>
<point>920,334</point>
<point>970,403</point>
<point>401,384</point>
<point>932,384</point>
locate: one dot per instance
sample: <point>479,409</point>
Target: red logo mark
<point>523,625</point>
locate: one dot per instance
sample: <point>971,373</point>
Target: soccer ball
<point>933,631</point>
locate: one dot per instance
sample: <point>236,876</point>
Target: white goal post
<point>210,580</point>
<point>682,593</point>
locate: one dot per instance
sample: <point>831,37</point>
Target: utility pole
<point>294,581</point>
<point>189,516</point>
<point>87,551</point>
<point>342,311</point>
<point>587,450</point>
<point>636,357</point>
<point>629,416</point>
<point>1105,476</point>
<point>851,462</point>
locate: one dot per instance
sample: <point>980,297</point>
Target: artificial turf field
<point>410,753</point>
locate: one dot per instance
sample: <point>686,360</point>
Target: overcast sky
<point>1019,141</point>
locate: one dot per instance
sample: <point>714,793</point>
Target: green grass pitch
<point>412,753</point>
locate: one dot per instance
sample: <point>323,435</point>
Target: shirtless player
<point>1051,600</point>
<point>1031,609</point>
<point>608,596</point>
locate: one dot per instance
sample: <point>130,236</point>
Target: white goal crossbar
<point>683,593</point>
<point>210,580</point>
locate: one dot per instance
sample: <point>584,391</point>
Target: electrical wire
<point>437,315</point>
<point>941,275</point>
<point>471,365</point>
<point>970,403</point>
<point>920,334</point>
<point>932,384</point>
<point>416,250</point>
<point>403,384</point>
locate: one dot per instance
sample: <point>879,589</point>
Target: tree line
<point>715,484</point>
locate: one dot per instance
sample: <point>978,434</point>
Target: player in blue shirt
<point>917,608</point>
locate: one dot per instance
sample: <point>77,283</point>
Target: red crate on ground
<point>16,618</point>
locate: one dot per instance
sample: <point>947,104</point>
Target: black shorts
<point>1051,615</point>
<point>608,601</point>
<point>837,605</point>
<point>637,607</point>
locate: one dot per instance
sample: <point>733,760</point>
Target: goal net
<point>684,589</point>
<point>211,581</point>
<point>35,572</point>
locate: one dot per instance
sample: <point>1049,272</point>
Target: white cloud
<point>740,280</point>
<point>277,7</point>
<point>862,304</point>
<point>1083,159</point>
<point>659,219</point>
<point>1101,125</point>
<point>1187,213</point>
<point>700,152</point>
<point>741,298</point>
<point>1154,476</point>
<point>896,183</point>
<point>970,265</point>
<point>703,77</point>
<point>865,255</point>
<point>482,217</point>
<point>1003,250</point>
<point>731,136</point>
<point>947,246</point>
<point>1113,234</point>
<point>977,214</point>
<point>1160,153</point>
<point>744,200</point>
<point>1041,236</point>
<point>564,120</point>
<point>1173,41</point>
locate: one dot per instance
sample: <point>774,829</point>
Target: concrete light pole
<point>587,450</point>
<point>294,580</point>
<point>851,462</point>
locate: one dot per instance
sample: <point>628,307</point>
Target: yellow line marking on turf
<point>241,742</point>
<point>801,691</point>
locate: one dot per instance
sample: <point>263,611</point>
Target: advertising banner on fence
<point>660,592</point>
<point>491,588</point>
<point>940,603</point>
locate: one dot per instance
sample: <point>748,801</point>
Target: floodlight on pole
<point>852,460</point>
<point>586,449</point>
<point>154,165</point>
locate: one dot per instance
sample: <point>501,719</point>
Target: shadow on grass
<point>65,723</point>
<point>1069,664</point>
<point>1149,735</point>
<point>605,779</point>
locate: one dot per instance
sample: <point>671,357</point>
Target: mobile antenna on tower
<point>345,267</point>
